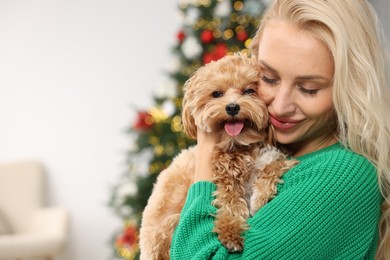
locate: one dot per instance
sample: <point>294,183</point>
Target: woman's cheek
<point>266,94</point>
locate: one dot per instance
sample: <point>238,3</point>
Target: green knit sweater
<point>328,207</point>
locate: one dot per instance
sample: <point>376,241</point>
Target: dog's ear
<point>188,120</point>
<point>254,60</point>
<point>270,135</point>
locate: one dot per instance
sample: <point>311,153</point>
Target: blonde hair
<point>361,94</point>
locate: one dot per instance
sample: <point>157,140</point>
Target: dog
<point>220,97</point>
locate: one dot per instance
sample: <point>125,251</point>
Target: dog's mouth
<point>234,127</point>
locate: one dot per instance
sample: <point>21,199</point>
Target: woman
<point>323,79</point>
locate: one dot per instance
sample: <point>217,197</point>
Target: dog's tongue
<point>234,128</point>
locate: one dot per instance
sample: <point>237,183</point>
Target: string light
<point>200,23</point>
<point>205,3</point>
<point>235,48</point>
<point>243,20</point>
<point>156,167</point>
<point>153,140</point>
<point>167,163</point>
<point>181,143</point>
<point>239,29</point>
<point>246,51</point>
<point>227,34</point>
<point>158,150</point>
<point>176,125</point>
<point>178,101</point>
<point>169,148</point>
<point>238,5</point>
<point>217,33</point>
<point>233,17</point>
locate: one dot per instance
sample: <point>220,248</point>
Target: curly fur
<point>246,169</point>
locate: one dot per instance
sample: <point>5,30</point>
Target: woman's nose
<point>283,103</point>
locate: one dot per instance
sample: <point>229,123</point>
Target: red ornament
<point>242,36</point>
<point>181,36</point>
<point>207,36</point>
<point>220,50</point>
<point>207,57</point>
<point>144,121</point>
<point>129,237</point>
<point>126,243</point>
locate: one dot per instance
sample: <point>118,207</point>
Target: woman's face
<point>296,76</point>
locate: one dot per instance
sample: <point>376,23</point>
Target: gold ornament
<point>248,43</point>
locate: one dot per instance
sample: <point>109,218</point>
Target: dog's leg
<point>230,175</point>
<point>265,186</point>
<point>162,212</point>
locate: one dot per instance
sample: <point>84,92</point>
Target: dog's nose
<point>232,109</point>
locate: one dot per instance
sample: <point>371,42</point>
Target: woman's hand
<point>204,149</point>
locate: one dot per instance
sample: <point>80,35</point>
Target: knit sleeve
<point>326,210</point>
<point>193,238</point>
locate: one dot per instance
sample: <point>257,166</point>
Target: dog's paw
<point>235,244</point>
<point>230,238</point>
<point>229,230</point>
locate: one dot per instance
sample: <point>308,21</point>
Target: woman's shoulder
<point>336,176</point>
<point>335,157</point>
<point>334,162</point>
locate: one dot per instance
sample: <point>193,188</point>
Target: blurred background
<point>73,75</point>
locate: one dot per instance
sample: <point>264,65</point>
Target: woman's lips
<point>283,123</point>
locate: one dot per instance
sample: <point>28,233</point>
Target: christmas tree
<point>211,29</point>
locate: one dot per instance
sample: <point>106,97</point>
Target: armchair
<point>28,230</point>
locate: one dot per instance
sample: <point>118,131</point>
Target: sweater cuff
<point>204,189</point>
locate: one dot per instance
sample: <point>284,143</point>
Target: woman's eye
<point>311,92</point>
<point>249,91</point>
<point>217,94</point>
<point>268,80</point>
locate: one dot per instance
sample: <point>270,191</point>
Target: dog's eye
<point>249,91</point>
<point>217,94</point>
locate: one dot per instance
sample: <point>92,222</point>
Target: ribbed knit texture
<point>328,207</point>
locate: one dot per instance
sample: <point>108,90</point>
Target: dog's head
<point>222,97</point>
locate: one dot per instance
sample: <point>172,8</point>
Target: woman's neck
<point>302,148</point>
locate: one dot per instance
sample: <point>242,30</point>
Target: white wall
<point>70,71</point>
